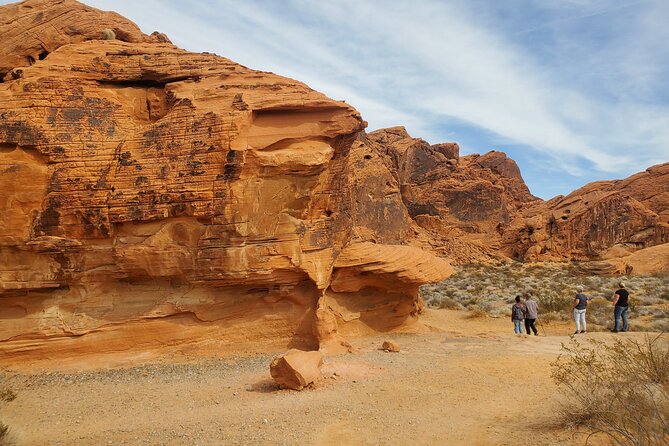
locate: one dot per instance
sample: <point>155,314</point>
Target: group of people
<point>528,312</point>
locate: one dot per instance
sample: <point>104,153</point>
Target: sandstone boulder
<point>390,346</point>
<point>296,369</point>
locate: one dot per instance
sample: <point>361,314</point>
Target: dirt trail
<point>472,383</point>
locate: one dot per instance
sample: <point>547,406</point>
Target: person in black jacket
<point>620,307</point>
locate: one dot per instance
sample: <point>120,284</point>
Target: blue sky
<point>573,90</point>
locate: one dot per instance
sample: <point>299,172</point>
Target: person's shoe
<point>576,332</point>
<point>536,334</point>
<point>614,330</point>
<point>582,331</point>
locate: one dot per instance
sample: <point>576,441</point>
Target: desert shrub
<point>599,312</point>
<point>660,325</point>
<point>476,312</point>
<point>7,395</point>
<point>7,438</point>
<point>4,432</point>
<point>550,316</point>
<point>620,390</point>
<point>552,301</point>
<point>448,303</point>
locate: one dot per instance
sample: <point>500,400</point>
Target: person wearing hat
<point>620,307</point>
<point>580,305</point>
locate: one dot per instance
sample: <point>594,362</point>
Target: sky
<point>573,90</point>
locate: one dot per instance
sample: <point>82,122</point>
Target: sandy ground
<point>469,382</point>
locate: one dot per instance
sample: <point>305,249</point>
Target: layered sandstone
<point>156,197</point>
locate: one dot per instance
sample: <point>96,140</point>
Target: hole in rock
<point>157,102</point>
<point>43,55</point>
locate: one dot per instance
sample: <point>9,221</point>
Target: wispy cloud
<point>579,83</point>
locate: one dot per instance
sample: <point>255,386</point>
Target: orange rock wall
<point>154,197</point>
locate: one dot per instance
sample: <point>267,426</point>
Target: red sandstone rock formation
<point>156,197</point>
<point>477,207</point>
<point>604,219</point>
<point>461,202</point>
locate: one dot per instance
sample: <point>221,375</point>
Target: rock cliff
<point>477,208</point>
<point>602,220</point>
<point>153,199</point>
<point>461,203</point>
<point>156,198</point>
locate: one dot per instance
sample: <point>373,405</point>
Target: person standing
<point>517,316</point>
<point>580,306</point>
<point>531,314</point>
<point>620,307</point>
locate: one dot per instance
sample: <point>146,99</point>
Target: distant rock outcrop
<point>602,220</point>
<point>460,202</point>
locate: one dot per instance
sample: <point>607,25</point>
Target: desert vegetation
<point>6,395</point>
<point>618,390</point>
<point>490,290</point>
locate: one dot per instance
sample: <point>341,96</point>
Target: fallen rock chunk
<point>390,346</point>
<point>296,369</point>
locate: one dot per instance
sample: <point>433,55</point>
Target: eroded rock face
<point>604,219</point>
<point>152,196</point>
<point>477,208</point>
<point>461,202</point>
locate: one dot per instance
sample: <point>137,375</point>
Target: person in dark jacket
<point>531,314</point>
<point>517,316</point>
<point>580,305</point>
<point>620,307</point>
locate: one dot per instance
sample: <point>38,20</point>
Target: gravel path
<point>477,384</point>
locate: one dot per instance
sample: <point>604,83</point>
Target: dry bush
<point>448,303</point>
<point>476,312</point>
<point>599,313</point>
<point>552,301</point>
<point>7,395</point>
<point>619,390</point>
<point>6,438</point>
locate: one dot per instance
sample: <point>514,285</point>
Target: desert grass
<point>553,285</point>
<point>618,390</point>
